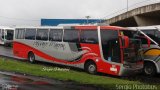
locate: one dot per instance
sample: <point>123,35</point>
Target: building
<point>55,22</point>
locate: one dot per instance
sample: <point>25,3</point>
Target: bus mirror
<point>125,42</point>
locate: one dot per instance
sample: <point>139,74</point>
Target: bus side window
<point>89,36</point>
<point>42,34</point>
<point>30,34</point>
<point>16,33</point>
<point>0,34</point>
<point>19,33</point>
<point>71,36</point>
<point>55,35</point>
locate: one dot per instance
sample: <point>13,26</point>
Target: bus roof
<point>146,27</point>
<point>6,27</point>
<point>95,27</point>
<point>82,27</point>
<point>113,27</point>
<point>42,27</point>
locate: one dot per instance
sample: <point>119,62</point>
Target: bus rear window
<point>89,36</point>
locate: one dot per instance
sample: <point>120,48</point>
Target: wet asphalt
<point>11,81</point>
<point>6,51</point>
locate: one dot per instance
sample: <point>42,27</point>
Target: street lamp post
<point>127,9</point>
<point>87,17</point>
<point>127,5</point>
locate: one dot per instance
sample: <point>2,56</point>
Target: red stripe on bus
<point>27,48</point>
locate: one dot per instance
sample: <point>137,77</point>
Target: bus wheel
<point>31,57</point>
<point>149,69</point>
<point>91,67</point>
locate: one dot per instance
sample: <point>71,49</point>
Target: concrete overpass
<point>142,16</point>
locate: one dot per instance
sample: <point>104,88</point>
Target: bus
<point>106,49</point>
<point>6,36</point>
<point>151,53</point>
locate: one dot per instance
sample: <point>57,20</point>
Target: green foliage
<point>61,73</point>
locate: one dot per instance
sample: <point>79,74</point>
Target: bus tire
<point>31,57</point>
<point>91,67</point>
<point>149,69</point>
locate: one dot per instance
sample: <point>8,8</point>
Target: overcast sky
<point>29,12</point>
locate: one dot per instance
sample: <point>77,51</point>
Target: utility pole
<point>127,5</point>
<point>127,9</point>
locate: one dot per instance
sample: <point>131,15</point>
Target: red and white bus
<point>107,49</point>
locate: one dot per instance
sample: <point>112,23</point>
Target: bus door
<point>114,50</point>
<point>110,46</point>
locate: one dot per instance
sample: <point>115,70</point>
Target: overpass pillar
<point>146,21</point>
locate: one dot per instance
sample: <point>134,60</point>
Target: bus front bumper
<point>131,71</point>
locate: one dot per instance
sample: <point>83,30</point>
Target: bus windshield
<point>133,52</point>
<point>153,34</point>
